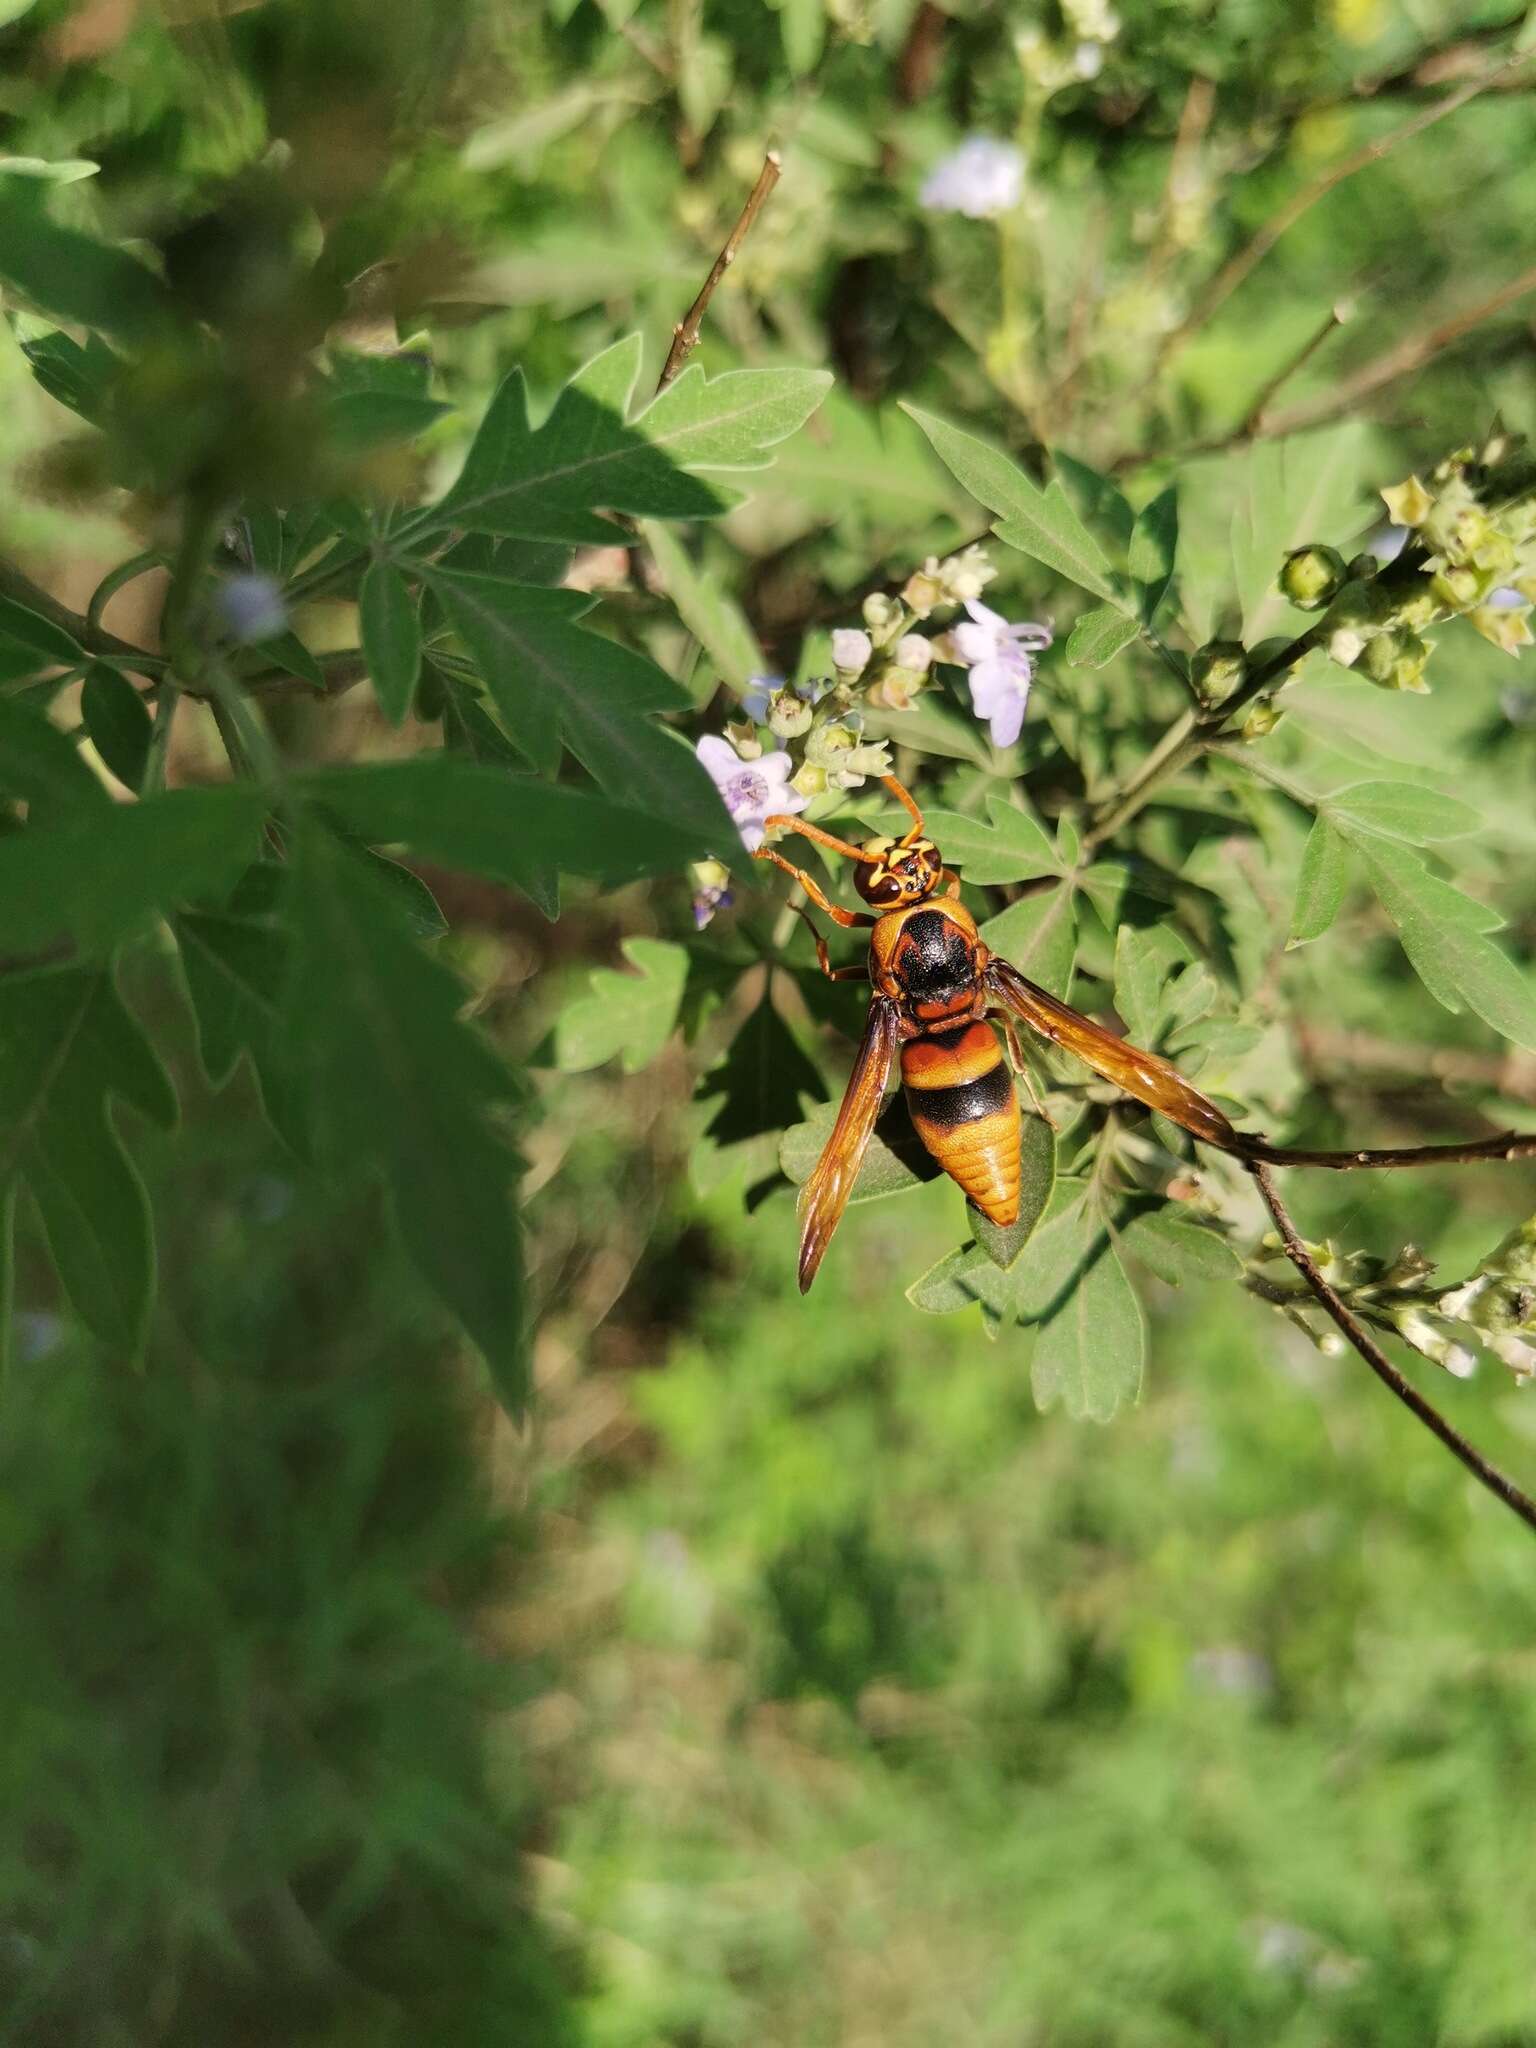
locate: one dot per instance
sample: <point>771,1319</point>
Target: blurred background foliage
<point>790,1681</point>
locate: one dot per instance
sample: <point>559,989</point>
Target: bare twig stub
<point>686,334</point>
<point>1486,1474</point>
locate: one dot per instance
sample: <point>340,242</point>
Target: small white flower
<point>965,575</point>
<point>1088,60</point>
<point>1001,662</point>
<point>981,179</point>
<point>914,652</point>
<point>750,790</point>
<point>851,649</point>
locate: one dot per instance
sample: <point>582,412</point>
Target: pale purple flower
<point>981,179</point>
<point>707,901</point>
<point>756,695</point>
<point>851,649</point>
<point>750,790</point>
<point>1505,600</point>
<point>914,652</point>
<point>1001,662</point>
<point>252,608</point>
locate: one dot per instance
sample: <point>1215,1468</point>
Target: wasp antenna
<point>908,803</point>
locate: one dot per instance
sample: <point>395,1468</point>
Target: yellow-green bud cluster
<point>1311,576</point>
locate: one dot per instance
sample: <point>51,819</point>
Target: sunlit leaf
<point>629,1014</point>
<point>711,615</point>
<point>1009,847</point>
<point>1402,810</point>
<point>1296,491</point>
<point>1039,935</point>
<point>1177,1247</point>
<point>896,1160</point>
<point>1321,883</point>
<point>1091,1353</point>
<point>1154,548</point>
<point>1100,635</point>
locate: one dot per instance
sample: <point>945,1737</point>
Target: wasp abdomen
<point>963,1104</point>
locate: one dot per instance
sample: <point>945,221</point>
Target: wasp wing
<point>1144,1075</point>
<point>825,1195</point>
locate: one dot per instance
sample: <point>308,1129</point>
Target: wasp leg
<point>952,881</point>
<point>1021,1065</point>
<point>858,971</point>
<point>780,822</point>
<point>848,919</point>
<point>908,805</point>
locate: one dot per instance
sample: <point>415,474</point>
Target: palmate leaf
<point>390,1075</point>
<point>390,624</point>
<point>760,1081</point>
<point>97,877</point>
<point>711,615</point>
<point>629,1014</point>
<point>234,959</point>
<point>68,1048</point>
<point>553,481</point>
<point>1038,934</point>
<point>1091,1352</point>
<point>556,685</point>
<point>1009,847</point>
<point>1041,523</point>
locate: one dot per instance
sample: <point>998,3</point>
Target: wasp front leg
<point>858,971</point>
<point>850,920</point>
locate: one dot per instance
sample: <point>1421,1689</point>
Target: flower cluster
<point>1461,545</point>
<point>801,747</point>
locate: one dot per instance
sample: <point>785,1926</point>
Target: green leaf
<point>68,1048</point>
<point>1027,1289</point>
<point>1102,504</point>
<point>1040,523</point>
<point>98,878</point>
<point>117,721</point>
<point>42,767</point>
<point>1091,1353</point>
<point>235,964</point>
<point>761,1080</point>
<point>77,377</point>
<point>71,276</point>
<point>1002,1243</point>
<point>713,617</point>
<point>897,1158</point>
<point>867,468</point>
<point>633,1014</point>
<point>391,634</point>
<point>1154,548</point>
<point>1297,491</point>
<point>551,482</point>
<point>24,628</point>
<point>1321,883</point>
<point>1011,847</point>
<point>1460,967</point>
<point>482,821</point>
<point>803,25</point>
<point>289,653</point>
<point>1174,1246</point>
<point>1099,636</point>
<point>931,727</point>
<point>1039,935</point>
<point>1145,959</point>
<point>393,1077</point>
<point>554,684</point>
<point>1401,810</point>
<point>361,420</point>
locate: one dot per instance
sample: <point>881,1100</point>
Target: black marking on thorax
<point>936,960</point>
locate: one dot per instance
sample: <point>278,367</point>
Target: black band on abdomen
<point>965,1103</point>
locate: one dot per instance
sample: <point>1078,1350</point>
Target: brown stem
<point>1503,1145</point>
<point>1238,268</point>
<point>1332,1302</point>
<point>1400,360</point>
<point>685,335</point>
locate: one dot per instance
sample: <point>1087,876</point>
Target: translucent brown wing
<point>1141,1074</point>
<point>825,1195</point>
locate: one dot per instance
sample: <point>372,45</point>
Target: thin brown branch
<point>685,335</point>
<point>1487,1474</point>
<point>1247,259</point>
<point>1503,1145</point>
<point>1401,360</point>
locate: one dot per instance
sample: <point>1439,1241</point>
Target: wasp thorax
<point>896,873</point>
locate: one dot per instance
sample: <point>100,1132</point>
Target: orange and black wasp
<point>937,991</point>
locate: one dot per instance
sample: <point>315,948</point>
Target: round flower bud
<point>1396,661</point>
<point>883,615</point>
<point>1217,668</point>
<point>1261,720</point>
<point>896,690</point>
<point>852,648</point>
<point>923,589</point>
<point>1458,589</point>
<point>810,781</point>
<point>1311,576</point>
<point>788,715</point>
<point>913,652</point>
<point>826,742</point>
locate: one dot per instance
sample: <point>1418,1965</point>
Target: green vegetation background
<point>793,1682</point>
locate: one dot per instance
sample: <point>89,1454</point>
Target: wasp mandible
<point>937,992</point>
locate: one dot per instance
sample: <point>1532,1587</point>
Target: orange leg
<point>1021,1065</point>
<point>780,822</point>
<point>848,919</point>
<point>907,804</point>
<point>948,876</point>
<point>857,972</point>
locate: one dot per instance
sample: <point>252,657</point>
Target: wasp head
<point>895,872</point>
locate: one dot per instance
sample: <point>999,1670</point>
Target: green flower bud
<point>742,734</point>
<point>1408,503</point>
<point>810,781</point>
<point>884,616</point>
<point>1508,627</point>
<point>826,743</point>
<point>1310,576</point>
<point>1459,589</point>
<point>1396,661</point>
<point>1217,669</point>
<point>1419,608</point>
<point>1262,719</point>
<point>788,715</point>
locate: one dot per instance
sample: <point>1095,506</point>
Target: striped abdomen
<point>965,1108</point>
